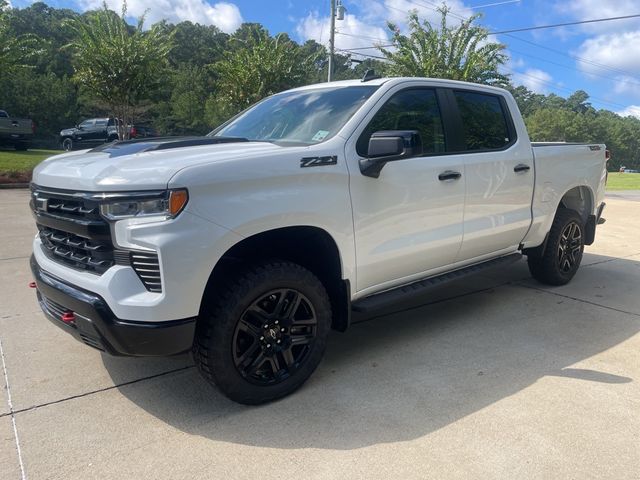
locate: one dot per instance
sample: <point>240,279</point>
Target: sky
<point>601,58</point>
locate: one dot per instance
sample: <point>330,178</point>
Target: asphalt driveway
<point>492,377</point>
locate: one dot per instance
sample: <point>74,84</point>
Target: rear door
<point>408,221</point>
<point>498,165</point>
<point>98,132</point>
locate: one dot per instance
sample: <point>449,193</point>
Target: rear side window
<point>484,121</point>
<point>413,109</point>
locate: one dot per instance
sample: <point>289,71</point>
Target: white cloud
<point>354,33</point>
<point>617,50</point>
<point>224,15</point>
<point>369,27</point>
<point>535,80</point>
<point>627,85</point>
<point>631,110</point>
<point>590,9</point>
<point>397,11</point>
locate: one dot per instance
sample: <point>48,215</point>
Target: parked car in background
<point>16,132</point>
<point>95,131</point>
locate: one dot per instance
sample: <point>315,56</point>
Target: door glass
<point>413,109</point>
<point>101,122</point>
<point>87,124</point>
<point>483,120</point>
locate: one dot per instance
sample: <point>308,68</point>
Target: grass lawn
<point>16,167</point>
<point>623,181</point>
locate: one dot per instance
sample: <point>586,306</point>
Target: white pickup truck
<point>248,245</point>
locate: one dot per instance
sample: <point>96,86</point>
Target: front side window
<point>413,109</point>
<point>484,121</point>
<point>87,124</point>
<point>303,117</point>
<point>101,122</point>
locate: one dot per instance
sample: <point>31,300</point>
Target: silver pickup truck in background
<point>16,132</point>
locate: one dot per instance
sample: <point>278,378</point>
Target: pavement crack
<point>578,299</point>
<point>100,390</point>
<point>12,412</point>
<point>14,258</point>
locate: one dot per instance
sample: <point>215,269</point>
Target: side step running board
<point>397,294</point>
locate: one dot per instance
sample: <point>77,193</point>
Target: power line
<point>513,72</point>
<point>561,87</point>
<point>539,27</point>
<point>574,57</point>
<point>494,4</point>
<point>362,36</point>
<point>568,67</point>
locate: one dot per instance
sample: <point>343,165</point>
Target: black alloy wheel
<point>570,247</point>
<point>262,330</point>
<point>274,336</point>
<point>557,261</point>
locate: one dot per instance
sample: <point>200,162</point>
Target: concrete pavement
<point>492,377</point>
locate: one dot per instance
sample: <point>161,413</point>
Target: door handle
<point>449,175</point>
<point>521,167</point>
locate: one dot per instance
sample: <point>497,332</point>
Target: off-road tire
<point>553,267</point>
<point>214,350</point>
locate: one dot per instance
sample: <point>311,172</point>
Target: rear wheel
<point>264,332</point>
<point>67,144</point>
<point>563,253</point>
<point>21,147</point>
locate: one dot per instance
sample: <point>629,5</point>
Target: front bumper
<point>95,324</point>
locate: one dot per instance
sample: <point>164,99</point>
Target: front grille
<point>74,233</point>
<point>75,251</point>
<point>147,267</point>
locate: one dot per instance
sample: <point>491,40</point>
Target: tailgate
<point>15,126</point>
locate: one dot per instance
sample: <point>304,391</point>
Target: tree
<point>258,65</point>
<point>15,50</point>
<point>120,65</point>
<point>458,53</point>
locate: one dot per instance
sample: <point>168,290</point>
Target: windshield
<point>300,117</point>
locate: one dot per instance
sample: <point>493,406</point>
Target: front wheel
<point>562,256</point>
<point>67,144</point>
<point>264,332</point>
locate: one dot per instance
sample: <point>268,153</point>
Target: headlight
<point>162,204</point>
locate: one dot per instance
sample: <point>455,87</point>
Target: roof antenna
<point>370,74</point>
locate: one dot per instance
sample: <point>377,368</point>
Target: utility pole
<point>332,38</point>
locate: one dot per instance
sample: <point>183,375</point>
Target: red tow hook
<point>32,285</point>
<point>68,317</point>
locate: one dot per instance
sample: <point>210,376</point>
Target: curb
<point>7,186</point>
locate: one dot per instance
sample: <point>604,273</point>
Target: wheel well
<point>580,200</point>
<point>310,247</point>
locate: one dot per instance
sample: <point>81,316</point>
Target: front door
<point>408,221</point>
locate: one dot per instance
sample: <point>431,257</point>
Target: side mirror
<point>389,146</point>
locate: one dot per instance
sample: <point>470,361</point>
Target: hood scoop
<point>130,147</point>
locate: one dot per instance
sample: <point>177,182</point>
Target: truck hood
<point>142,164</point>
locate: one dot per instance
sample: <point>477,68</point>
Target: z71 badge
<point>318,161</point>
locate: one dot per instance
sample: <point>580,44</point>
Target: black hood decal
<point>130,147</point>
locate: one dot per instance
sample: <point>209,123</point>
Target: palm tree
<point>458,53</point>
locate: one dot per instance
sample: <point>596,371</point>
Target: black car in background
<point>95,131</point>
